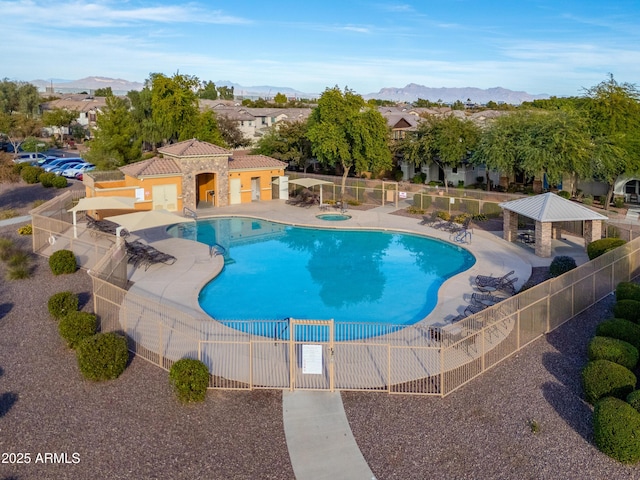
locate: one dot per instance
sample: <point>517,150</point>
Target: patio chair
<point>486,299</point>
<point>474,308</point>
<point>491,281</point>
<point>507,286</point>
<point>431,220</point>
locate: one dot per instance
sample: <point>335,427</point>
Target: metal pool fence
<point>322,354</point>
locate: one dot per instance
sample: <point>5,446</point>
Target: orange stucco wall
<point>265,177</point>
<point>128,186</point>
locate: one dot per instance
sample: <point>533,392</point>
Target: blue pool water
<point>277,271</point>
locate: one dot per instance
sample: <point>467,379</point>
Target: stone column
<point>510,226</point>
<point>543,239</point>
<point>592,231</point>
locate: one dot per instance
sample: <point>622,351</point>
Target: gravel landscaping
<point>134,428</point>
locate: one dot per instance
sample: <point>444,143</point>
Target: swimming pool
<point>278,271</point>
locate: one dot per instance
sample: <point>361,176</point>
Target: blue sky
<point>545,46</point>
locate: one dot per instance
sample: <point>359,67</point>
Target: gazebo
<point>546,210</point>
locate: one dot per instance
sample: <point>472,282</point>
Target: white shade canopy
<point>148,219</point>
<point>309,182</point>
<point>104,203</point>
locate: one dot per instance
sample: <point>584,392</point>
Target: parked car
<point>48,166</point>
<point>71,172</point>
<point>33,157</point>
<point>61,168</point>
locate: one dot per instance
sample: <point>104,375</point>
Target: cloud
<point>85,14</point>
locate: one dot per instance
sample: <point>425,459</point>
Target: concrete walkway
<point>319,438</point>
<point>15,220</point>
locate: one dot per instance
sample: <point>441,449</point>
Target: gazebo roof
<point>550,207</point>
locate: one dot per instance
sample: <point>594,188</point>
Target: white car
<point>32,157</point>
<point>72,171</point>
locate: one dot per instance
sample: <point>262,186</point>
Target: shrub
<point>603,378</point>
<point>633,399</point>
<point>397,175</point>
<point>614,350</point>
<point>62,303</point>
<point>564,194</point>
<point>618,202</point>
<point>628,291</point>
<point>561,264</point>
<point>19,272</point>
<point>103,356</point>
<point>588,200</point>
<point>37,203</point>
<point>18,259</point>
<point>60,182</point>
<point>598,247</point>
<point>26,229</point>
<point>62,262</point>
<point>6,214</point>
<point>76,326</point>
<point>415,210</point>
<point>31,174</point>
<point>446,216</point>
<point>616,430</point>
<point>7,247</point>
<point>190,379</point>
<point>47,178</point>
<point>627,309</point>
<point>620,329</point>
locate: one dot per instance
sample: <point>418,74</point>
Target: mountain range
<point>409,93</point>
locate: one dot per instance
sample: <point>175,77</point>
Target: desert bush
<point>6,214</point>
<point>31,174</point>
<point>633,399</point>
<point>102,356</point>
<point>76,326</point>
<point>446,216</point>
<point>62,303</point>
<point>47,178</point>
<point>60,182</point>
<point>627,309</point>
<point>415,210</point>
<point>62,262</point>
<point>561,264</point>
<point>598,247</point>
<point>37,203</point>
<point>614,350</point>
<point>618,202</point>
<point>189,379</point>
<point>588,200</point>
<point>26,229</point>
<point>616,427</point>
<point>621,329</point>
<point>564,194</point>
<point>19,272</point>
<point>628,291</point>
<point>603,378</point>
<point>7,247</point>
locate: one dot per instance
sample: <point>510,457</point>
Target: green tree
<point>208,91</point>
<point>231,133</point>
<point>613,112</point>
<point>60,119</point>
<point>280,99</point>
<point>146,129</point>
<point>345,131</point>
<point>103,92</point>
<point>18,126</point>
<point>286,141</point>
<point>533,142</point>
<point>114,142</point>
<point>444,141</point>
<point>19,97</point>
<point>225,93</point>
<point>174,106</point>
<point>208,130</point>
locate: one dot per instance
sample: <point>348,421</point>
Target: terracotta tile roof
<point>193,148</point>
<point>254,161</point>
<point>151,167</point>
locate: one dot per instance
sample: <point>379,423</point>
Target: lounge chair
<point>431,220</point>
<point>507,286</point>
<point>143,254</point>
<point>490,281</point>
<point>474,308</point>
<point>486,299</point>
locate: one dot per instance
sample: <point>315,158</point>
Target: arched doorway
<point>206,190</point>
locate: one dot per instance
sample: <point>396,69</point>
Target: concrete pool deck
<point>195,267</point>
